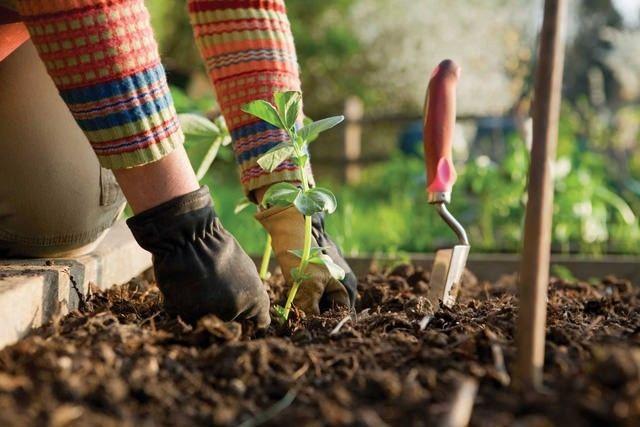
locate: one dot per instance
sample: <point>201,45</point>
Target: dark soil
<point>122,361</point>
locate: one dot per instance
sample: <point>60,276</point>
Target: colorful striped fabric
<point>103,58</point>
<point>249,53</point>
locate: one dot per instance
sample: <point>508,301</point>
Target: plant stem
<point>208,159</point>
<point>306,249</point>
<point>266,256</point>
<point>292,294</point>
<point>304,262</point>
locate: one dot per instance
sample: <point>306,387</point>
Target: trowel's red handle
<point>439,124</point>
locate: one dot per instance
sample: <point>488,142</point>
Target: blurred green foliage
<point>597,179</point>
<point>328,54</point>
<point>388,213</point>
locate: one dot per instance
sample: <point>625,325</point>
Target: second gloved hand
<point>200,268</point>
<point>321,291</point>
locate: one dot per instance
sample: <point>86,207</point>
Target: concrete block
<point>32,291</point>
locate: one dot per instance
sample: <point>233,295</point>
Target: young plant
<point>266,253</point>
<point>200,130</point>
<point>284,114</point>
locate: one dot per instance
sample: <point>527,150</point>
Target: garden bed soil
<point>121,361</point>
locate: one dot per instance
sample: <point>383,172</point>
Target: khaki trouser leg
<point>55,200</point>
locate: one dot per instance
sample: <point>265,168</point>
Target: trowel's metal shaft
<point>452,223</point>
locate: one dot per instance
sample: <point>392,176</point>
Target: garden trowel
<point>439,124</point>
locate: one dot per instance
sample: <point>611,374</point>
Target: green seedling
<point>284,114</point>
<point>200,130</point>
<point>266,253</point>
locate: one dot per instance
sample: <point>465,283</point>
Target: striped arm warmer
<point>249,54</point>
<point>103,58</point>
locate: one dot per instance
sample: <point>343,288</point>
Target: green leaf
<point>288,105</point>
<point>265,111</point>
<point>314,252</point>
<point>241,205</point>
<point>226,140</point>
<point>563,273</point>
<point>224,130</point>
<point>274,157</point>
<point>315,200</point>
<point>299,142</point>
<point>312,130</point>
<point>618,203</point>
<point>306,121</point>
<point>299,276</point>
<point>281,194</point>
<point>334,269</point>
<point>301,161</point>
<point>198,129</point>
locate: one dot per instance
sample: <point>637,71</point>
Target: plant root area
<point>122,361</point>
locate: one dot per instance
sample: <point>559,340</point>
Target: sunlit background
<point>378,54</point>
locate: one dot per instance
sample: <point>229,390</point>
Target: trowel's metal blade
<point>446,273</point>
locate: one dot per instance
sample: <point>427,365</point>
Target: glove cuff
<point>171,222</point>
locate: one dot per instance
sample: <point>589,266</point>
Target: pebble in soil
<point>122,361</point>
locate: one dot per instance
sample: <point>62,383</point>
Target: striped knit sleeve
<point>249,54</point>
<point>103,58</point>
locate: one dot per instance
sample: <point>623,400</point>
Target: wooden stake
<point>462,406</point>
<point>353,113</point>
<point>534,272</point>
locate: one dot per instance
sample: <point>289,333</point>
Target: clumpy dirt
<point>122,361</point>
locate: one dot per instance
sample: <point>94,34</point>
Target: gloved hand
<point>199,266</point>
<point>321,291</point>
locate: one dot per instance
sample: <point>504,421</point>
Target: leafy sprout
<point>284,113</point>
<point>200,130</point>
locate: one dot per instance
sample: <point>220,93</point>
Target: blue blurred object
<point>490,137</point>
<point>492,127</point>
<point>410,140</point>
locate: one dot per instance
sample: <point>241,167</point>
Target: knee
<point>54,221</point>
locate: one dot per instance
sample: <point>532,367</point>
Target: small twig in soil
<point>462,405</point>
<point>363,313</point>
<point>185,326</point>
<point>498,359</point>
<point>596,323</point>
<point>340,325</point>
<point>425,322</point>
<point>274,410</point>
<point>300,372</point>
<point>145,294</point>
<point>150,319</point>
<point>314,362</point>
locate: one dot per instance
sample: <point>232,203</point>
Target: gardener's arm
<point>249,53</point>
<point>104,60</point>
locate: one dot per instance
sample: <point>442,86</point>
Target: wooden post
<point>534,272</point>
<point>353,113</point>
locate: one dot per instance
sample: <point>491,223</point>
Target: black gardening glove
<point>200,268</point>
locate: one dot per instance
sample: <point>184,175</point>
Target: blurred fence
<point>368,139</point>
